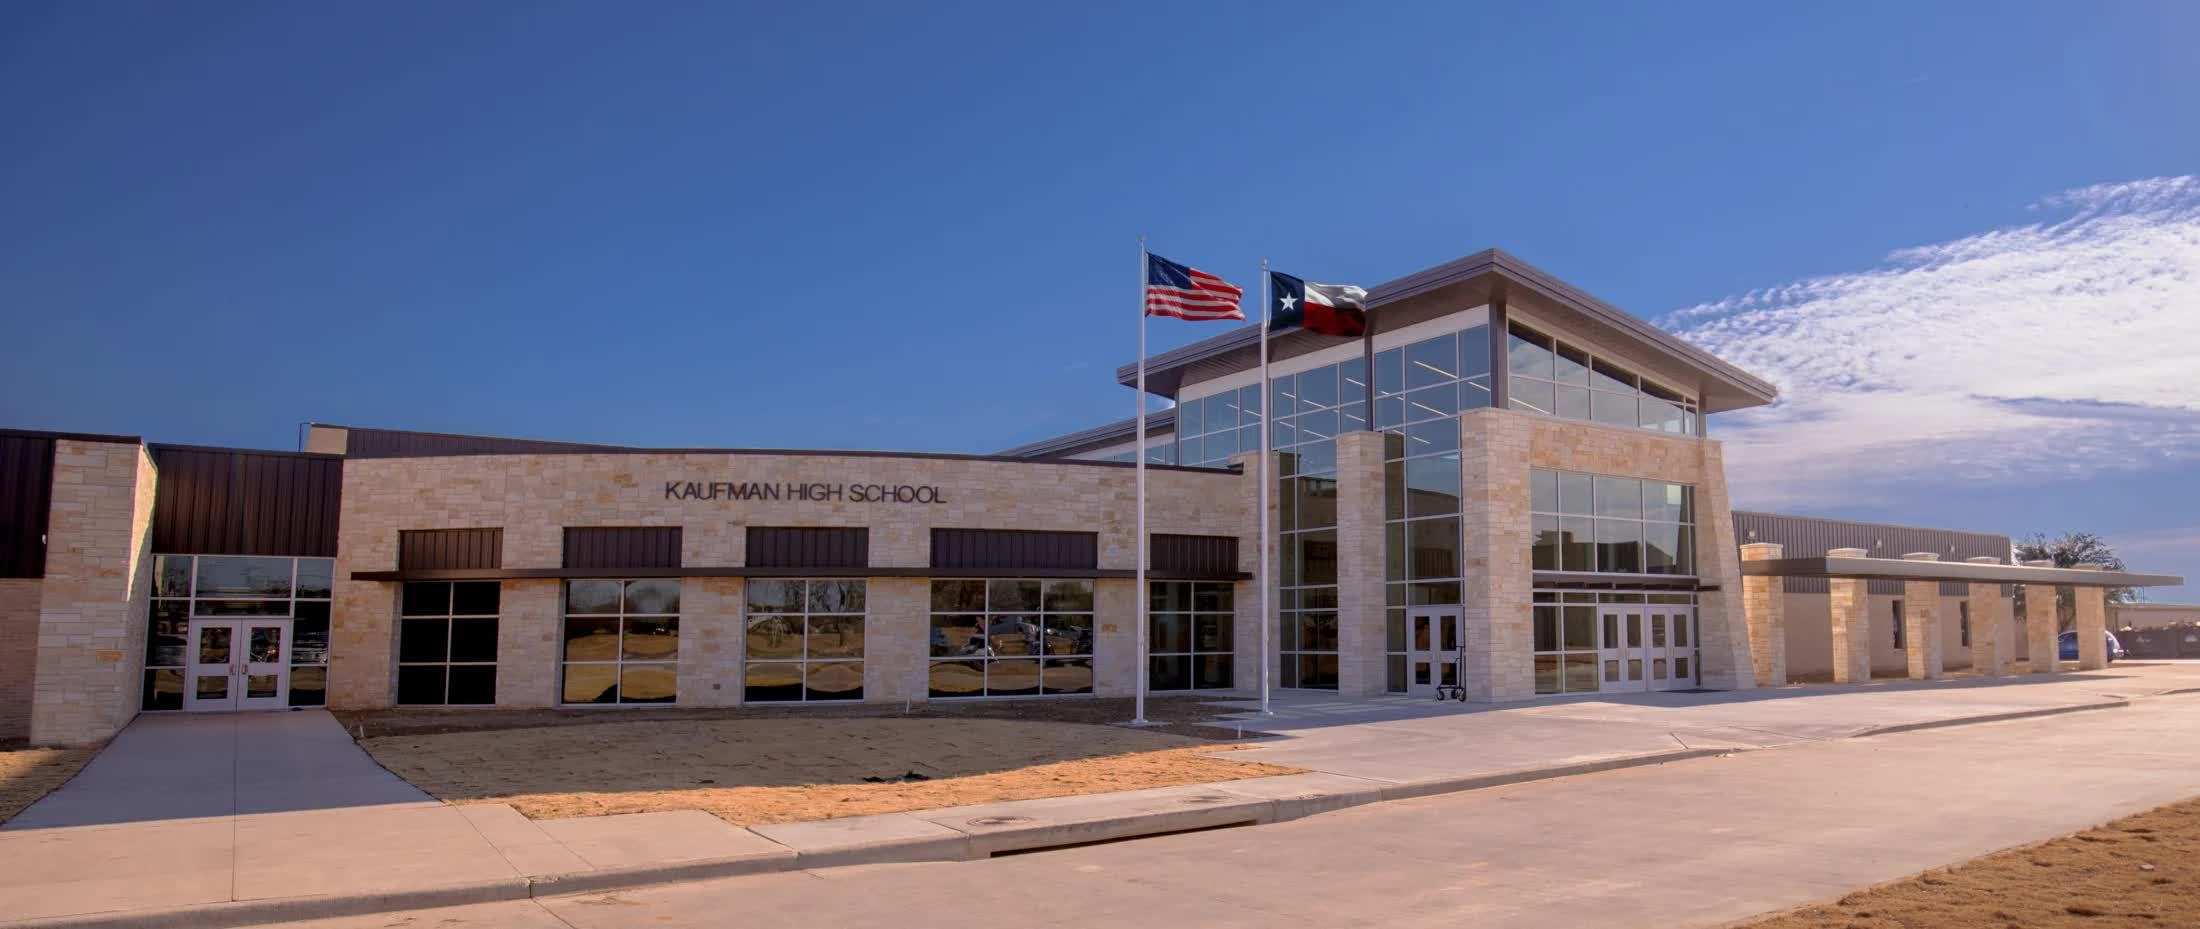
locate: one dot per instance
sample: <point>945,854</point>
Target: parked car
<point>2067,646</point>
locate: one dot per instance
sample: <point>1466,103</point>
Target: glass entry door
<point>237,664</point>
<point>1433,638</point>
<point>1620,649</point>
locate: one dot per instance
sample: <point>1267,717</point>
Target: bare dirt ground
<point>2139,871</point>
<point>27,774</point>
<point>754,767</point>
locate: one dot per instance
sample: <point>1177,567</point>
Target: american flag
<point>1189,293</point>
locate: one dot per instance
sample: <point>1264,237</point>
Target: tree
<point>2070,550</point>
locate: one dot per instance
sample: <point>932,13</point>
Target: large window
<point>622,641</point>
<point>1190,640</point>
<point>804,640</point>
<point>238,587</point>
<point>1552,377</point>
<point>1420,390</point>
<point>1011,638</point>
<point>447,643</point>
<point>1211,429</point>
<point>1612,525</point>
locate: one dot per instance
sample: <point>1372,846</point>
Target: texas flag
<point>1330,309</point>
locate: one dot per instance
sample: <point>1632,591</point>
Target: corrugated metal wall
<point>449,549</point>
<point>1205,555</point>
<point>236,502</point>
<point>1811,536</point>
<point>1012,549</point>
<point>26,494</point>
<point>610,548</point>
<point>809,547</point>
<point>392,443</point>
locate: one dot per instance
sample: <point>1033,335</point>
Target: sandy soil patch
<point>772,770</point>
<point>30,773</point>
<point>2140,871</point>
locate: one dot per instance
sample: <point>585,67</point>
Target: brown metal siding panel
<point>1809,536</point>
<point>221,502</point>
<point>1211,555</point>
<point>598,548</point>
<point>449,549</point>
<point>808,547</point>
<point>1010,549</point>
<point>26,496</point>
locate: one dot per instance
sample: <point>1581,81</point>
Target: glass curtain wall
<point>1566,637</point>
<point>1420,389</point>
<point>238,587</point>
<point>1310,408</point>
<point>1211,429</point>
<point>1611,525</point>
<point>1554,378</point>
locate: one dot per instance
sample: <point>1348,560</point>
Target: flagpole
<point>1139,717</point>
<point>1267,619</point>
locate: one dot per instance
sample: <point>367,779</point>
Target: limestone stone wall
<point>1361,598</point>
<point>19,598</point>
<point>533,498</point>
<point>1499,449</point>
<point>91,621</point>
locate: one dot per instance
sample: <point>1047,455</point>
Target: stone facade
<point>533,498</point>
<point>2091,623</point>
<point>1499,447</point>
<point>19,599</point>
<point>1764,602</point>
<point>93,601</point>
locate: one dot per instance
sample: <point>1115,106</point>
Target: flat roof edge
<point>1907,570</point>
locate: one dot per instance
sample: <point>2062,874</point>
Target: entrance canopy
<point>1906,569</point>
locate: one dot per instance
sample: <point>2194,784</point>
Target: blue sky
<point>894,226</point>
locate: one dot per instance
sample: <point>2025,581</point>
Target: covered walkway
<point>2037,586</point>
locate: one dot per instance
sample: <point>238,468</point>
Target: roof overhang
<point>1474,281</point>
<point>536,574</point>
<point>1904,569</point>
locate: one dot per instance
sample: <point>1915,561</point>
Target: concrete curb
<point>1161,811</point>
<point>1992,718</point>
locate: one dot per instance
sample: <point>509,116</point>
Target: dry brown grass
<point>2140,871</point>
<point>786,769</point>
<point>30,773</point>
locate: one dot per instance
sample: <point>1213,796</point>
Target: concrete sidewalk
<point>283,818</point>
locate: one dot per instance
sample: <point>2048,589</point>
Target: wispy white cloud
<point>2059,348</point>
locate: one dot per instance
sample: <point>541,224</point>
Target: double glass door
<point>1643,648</point>
<point>1433,637</point>
<point>237,664</point>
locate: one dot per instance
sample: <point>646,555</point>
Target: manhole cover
<point>1208,798</point>
<point>999,820</point>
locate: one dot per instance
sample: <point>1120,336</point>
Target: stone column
<point>1498,593</point>
<point>1850,604</point>
<point>96,593</point>
<point>2092,623</point>
<point>1921,623</point>
<point>1246,626</point>
<point>1989,651</point>
<point>710,641</point>
<point>1115,618</point>
<point>897,637</point>
<point>530,633</point>
<point>2041,624</point>
<point>1763,607</point>
<point>1723,635</point>
<point>1360,601</point>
